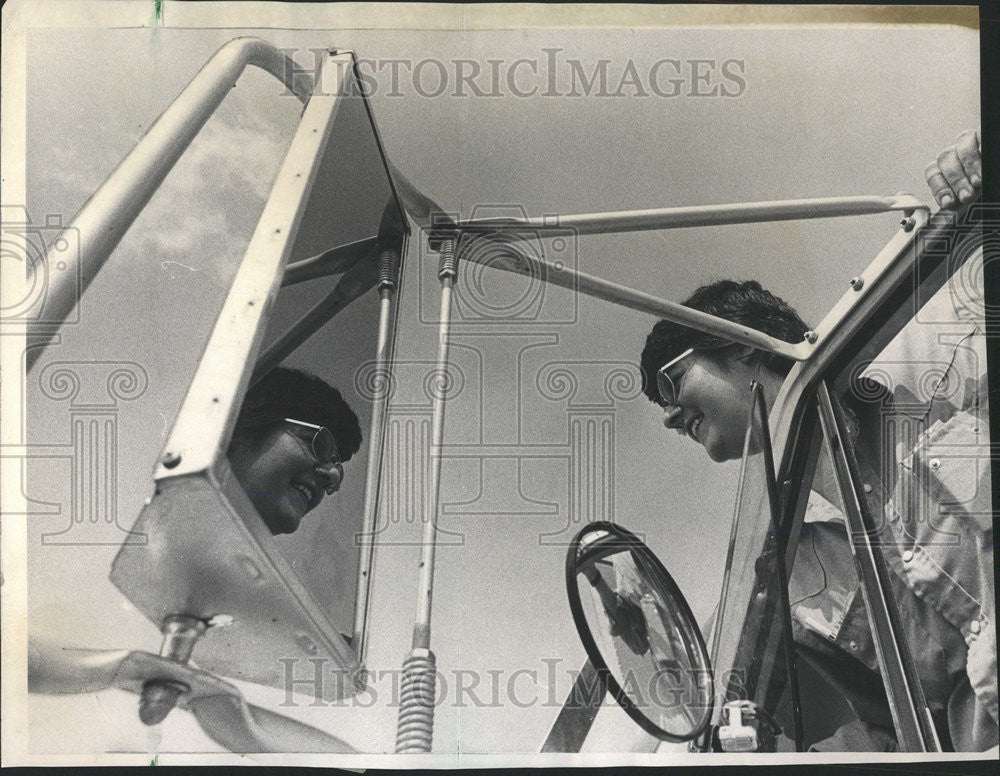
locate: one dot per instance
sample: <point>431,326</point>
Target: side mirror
<point>639,632</point>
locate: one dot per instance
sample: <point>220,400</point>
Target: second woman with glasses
<point>292,437</point>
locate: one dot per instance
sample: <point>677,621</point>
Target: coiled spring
<point>388,268</point>
<point>415,730</point>
<point>448,262</point>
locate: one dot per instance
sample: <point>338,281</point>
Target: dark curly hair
<point>291,393</point>
<point>746,303</point>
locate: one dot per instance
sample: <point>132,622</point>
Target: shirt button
<point>974,626</point>
<point>935,463</point>
<point>867,488</point>
<point>853,645</point>
<point>907,556</point>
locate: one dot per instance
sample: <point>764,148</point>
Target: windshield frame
<point>846,334</point>
<point>193,469</point>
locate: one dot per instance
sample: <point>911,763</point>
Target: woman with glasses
<point>292,437</point>
<point>943,588</point>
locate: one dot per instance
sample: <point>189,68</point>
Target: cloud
<point>207,208</point>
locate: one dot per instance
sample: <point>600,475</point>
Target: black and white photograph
<point>447,386</point>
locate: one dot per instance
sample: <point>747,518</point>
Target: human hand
<point>957,172</point>
<point>626,619</point>
<point>629,624</point>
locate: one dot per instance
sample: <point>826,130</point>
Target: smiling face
<point>282,477</point>
<point>712,394</point>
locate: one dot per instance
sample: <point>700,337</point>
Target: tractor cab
<point>414,313</point>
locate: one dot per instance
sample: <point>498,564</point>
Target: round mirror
<point>639,632</point>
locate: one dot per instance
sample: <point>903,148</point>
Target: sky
<point>545,380</point>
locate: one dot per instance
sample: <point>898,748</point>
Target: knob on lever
<point>159,696</point>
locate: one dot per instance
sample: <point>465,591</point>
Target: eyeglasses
<point>666,383</point>
<point>320,439</point>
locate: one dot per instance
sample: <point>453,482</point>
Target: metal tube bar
<point>720,620</point>
<point>910,715</point>
<point>366,538</point>
<point>577,715</point>
<point>425,587</point>
<point>700,215</point>
<point>331,262</point>
<point>108,214</point>
<point>774,505</point>
<point>415,727</point>
<point>356,281</point>
<point>522,264</point>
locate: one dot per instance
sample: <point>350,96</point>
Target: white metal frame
<point>843,322</point>
<point>108,214</point>
<point>197,442</point>
<point>201,431</point>
<point>473,232</point>
<point>193,471</point>
<point>701,215</point>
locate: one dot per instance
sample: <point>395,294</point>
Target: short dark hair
<point>743,302</point>
<point>291,393</point>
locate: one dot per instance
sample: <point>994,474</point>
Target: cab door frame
<point>891,281</point>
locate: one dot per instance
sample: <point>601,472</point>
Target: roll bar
<point>107,215</point>
<point>499,253</point>
<point>701,215</point>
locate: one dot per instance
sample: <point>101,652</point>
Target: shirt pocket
<point>823,587</point>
